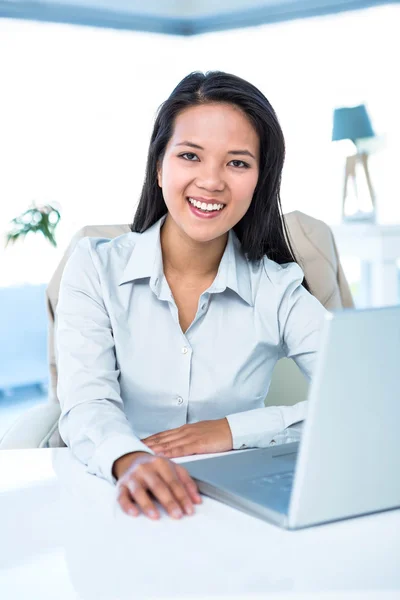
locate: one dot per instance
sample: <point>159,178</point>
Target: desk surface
<point>63,536</point>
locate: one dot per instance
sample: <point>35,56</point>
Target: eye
<point>189,156</point>
<point>240,164</point>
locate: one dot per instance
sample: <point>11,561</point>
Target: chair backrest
<point>313,244</point>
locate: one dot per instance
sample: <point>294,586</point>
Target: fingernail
<point>177,513</point>
<point>152,514</point>
<point>132,512</point>
<point>189,509</point>
<point>131,487</point>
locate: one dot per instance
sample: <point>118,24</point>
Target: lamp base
<point>360,217</point>
<point>358,201</point>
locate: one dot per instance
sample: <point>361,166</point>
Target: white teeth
<point>204,206</point>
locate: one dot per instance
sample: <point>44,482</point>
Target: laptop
<point>347,462</point>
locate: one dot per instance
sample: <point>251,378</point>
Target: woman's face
<point>209,170</point>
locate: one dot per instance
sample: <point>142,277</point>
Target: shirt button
<point>185,350</point>
<point>272,443</point>
<point>243,446</point>
<point>180,400</point>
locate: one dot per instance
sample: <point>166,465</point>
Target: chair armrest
<point>33,429</point>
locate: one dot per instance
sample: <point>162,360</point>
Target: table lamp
<point>358,202</point>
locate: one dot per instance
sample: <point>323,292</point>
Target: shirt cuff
<point>113,447</point>
<point>257,428</point>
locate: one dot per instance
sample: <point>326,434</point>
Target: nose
<point>210,178</point>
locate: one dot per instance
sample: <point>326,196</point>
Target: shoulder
<point>278,278</point>
<point>102,255</point>
<point>284,274</point>
<point>283,290</point>
<point>103,249</point>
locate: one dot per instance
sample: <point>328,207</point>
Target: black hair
<point>262,230</point>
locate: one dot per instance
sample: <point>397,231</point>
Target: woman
<point>167,336</point>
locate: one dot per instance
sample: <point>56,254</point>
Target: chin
<point>206,233</point>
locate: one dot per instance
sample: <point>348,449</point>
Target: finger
<point>142,498</point>
<point>163,449</point>
<point>155,446</point>
<point>167,436</point>
<point>163,492</point>
<point>169,445</point>
<point>179,451</point>
<point>162,434</point>
<point>126,503</point>
<point>148,440</point>
<point>169,473</point>
<point>190,485</point>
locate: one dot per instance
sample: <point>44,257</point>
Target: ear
<point>159,174</point>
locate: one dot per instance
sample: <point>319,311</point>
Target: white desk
<point>378,247</point>
<point>64,537</point>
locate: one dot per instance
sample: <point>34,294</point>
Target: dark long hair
<point>262,230</point>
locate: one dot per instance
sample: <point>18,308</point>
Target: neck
<point>186,258</point>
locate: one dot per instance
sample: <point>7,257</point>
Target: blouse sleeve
<point>92,422</point>
<point>300,320</point>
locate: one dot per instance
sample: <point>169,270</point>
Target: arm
<point>92,422</point>
<point>300,317</point>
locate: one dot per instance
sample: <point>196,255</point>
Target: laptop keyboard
<point>282,481</point>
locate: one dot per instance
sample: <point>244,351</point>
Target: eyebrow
<point>234,152</point>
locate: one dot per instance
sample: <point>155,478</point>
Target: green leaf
<point>35,219</point>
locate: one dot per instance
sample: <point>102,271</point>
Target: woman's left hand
<point>196,438</point>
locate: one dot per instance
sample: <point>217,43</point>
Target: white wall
<point>77,106</point>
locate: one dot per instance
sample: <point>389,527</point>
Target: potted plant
<point>23,318</point>
<point>42,218</point>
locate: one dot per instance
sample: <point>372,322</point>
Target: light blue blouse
<point>126,370</point>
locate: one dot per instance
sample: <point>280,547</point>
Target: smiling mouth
<point>206,206</point>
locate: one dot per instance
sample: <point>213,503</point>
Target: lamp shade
<point>351,123</point>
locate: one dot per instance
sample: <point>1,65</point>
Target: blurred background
<point>80,86</point>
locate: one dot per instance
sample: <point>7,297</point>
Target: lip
<point>203,215</point>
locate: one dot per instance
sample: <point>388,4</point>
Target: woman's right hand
<point>144,477</point>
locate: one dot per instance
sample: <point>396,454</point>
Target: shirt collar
<point>146,261</point>
<point>233,272</point>
<point>146,258</point>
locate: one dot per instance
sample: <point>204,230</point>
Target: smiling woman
<point>167,336</point>
<point>240,152</point>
